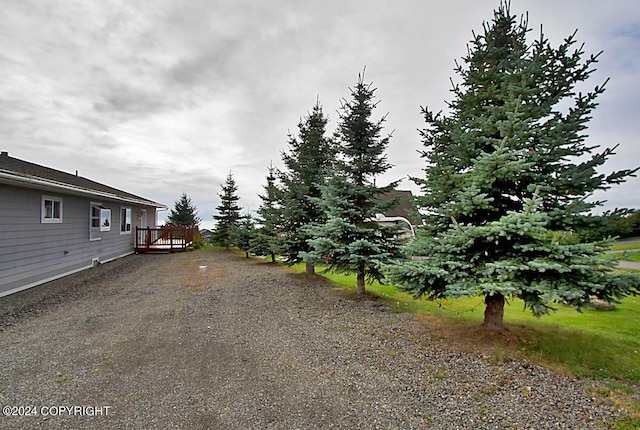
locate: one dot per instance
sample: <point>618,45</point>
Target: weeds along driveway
<point>213,340</point>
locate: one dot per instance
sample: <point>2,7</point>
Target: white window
<point>99,220</point>
<point>125,220</point>
<point>51,211</point>
<point>105,219</point>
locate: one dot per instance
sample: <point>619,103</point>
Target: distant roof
<point>405,208</point>
<point>31,175</point>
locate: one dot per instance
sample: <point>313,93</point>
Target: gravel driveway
<point>213,340</point>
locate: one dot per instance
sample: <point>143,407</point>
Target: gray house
<point>53,223</point>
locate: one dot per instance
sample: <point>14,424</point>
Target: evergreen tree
<point>307,163</point>
<point>350,240</point>
<point>508,177</point>
<point>616,223</point>
<point>633,221</point>
<point>266,239</point>
<point>228,212</point>
<point>183,212</point>
<point>240,235</point>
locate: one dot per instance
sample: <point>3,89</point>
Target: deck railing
<point>167,238</point>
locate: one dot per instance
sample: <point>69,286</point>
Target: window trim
<point>43,211</point>
<point>128,216</point>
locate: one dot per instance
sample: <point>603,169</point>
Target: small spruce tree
<point>350,240</point>
<point>307,165</point>
<point>508,177</point>
<point>228,212</point>
<point>240,235</point>
<point>183,212</point>
<point>266,239</point>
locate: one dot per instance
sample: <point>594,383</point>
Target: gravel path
<point>629,265</point>
<point>213,340</point>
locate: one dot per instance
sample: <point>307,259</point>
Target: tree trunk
<point>273,257</point>
<point>246,254</point>
<point>360,278</point>
<point>309,268</point>
<point>494,312</point>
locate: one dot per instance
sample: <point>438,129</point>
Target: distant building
<point>404,213</point>
<point>54,223</point>
<point>206,234</point>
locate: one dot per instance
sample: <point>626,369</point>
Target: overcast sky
<point>165,96</point>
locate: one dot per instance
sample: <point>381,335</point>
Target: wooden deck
<point>166,239</point>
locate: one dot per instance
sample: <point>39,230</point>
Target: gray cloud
<point>202,87</point>
<point>122,98</point>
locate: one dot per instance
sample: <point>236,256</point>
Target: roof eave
<point>10,178</point>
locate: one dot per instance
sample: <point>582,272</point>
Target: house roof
<point>23,173</point>
<point>405,208</point>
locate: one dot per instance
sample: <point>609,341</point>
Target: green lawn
<point>625,246</point>
<point>209,247</point>
<point>632,255</point>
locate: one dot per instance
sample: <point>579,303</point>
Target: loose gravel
<point>215,341</point>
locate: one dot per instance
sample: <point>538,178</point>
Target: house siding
<point>33,252</point>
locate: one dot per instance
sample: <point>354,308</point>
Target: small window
<point>95,216</point>
<point>125,221</point>
<point>105,219</point>
<point>99,221</point>
<point>51,211</point>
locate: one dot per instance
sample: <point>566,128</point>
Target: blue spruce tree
<point>509,175</point>
<point>350,240</point>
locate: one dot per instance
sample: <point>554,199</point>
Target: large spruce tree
<point>350,240</point>
<point>183,212</point>
<point>228,215</point>
<point>307,164</point>
<point>509,174</point>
